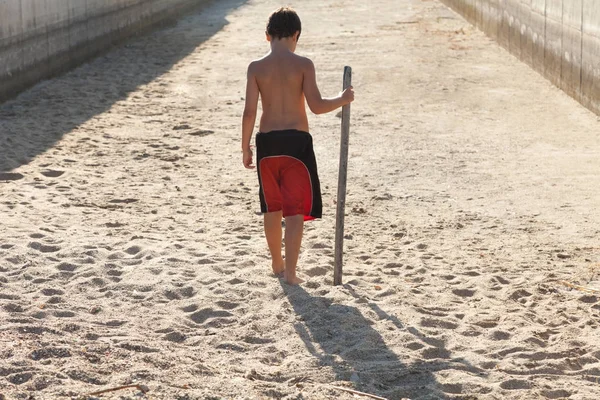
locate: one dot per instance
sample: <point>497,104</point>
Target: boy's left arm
<point>249,118</point>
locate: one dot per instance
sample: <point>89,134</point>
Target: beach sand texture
<point>131,250</point>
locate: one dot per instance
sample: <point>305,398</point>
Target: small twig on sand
<point>359,393</point>
<point>141,388</point>
<point>580,288</point>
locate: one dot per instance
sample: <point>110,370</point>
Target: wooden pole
<point>342,177</point>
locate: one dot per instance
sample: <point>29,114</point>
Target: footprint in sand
<point>520,295</point>
<point>500,335</point>
<point>49,352</point>
<point>52,292</point>
<point>50,173</point>
<point>500,280</point>
<point>10,176</point>
<point>64,314</point>
<point>123,201</point>
<point>231,347</point>
<point>435,311</point>
<point>85,377</point>
<point>187,292</point>
<point>133,250</point>
<point>489,365</point>
<point>414,346</point>
<point>216,317</point>
<point>115,323</point>
<point>182,127</point>
<point>316,271</point>
<point>487,323</point>
<point>138,348</point>
<point>55,300</point>
<point>464,292</point>
<point>257,340</point>
<point>227,305</point>
<point>188,273</point>
<point>438,323</point>
<point>452,388</point>
<point>35,330</point>
<point>393,265</point>
<point>201,132</point>
<point>448,277</point>
<point>171,294</point>
<point>556,394</point>
<point>67,267</point>
<point>315,285</point>
<point>19,378</point>
<point>432,353</point>
<point>515,384</point>
<point>589,299</point>
<point>190,308</point>
<point>13,308</point>
<point>114,272</point>
<point>175,337</point>
<point>536,341</point>
<point>44,248</point>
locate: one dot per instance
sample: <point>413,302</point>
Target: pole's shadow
<point>342,338</point>
<point>36,120</point>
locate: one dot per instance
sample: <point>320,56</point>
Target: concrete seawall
<point>558,38</point>
<point>41,38</point>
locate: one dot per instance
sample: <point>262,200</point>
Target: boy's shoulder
<point>302,59</point>
<point>258,63</point>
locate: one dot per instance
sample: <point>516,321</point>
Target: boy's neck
<point>283,45</point>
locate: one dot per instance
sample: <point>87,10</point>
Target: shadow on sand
<point>343,339</point>
<point>36,120</point>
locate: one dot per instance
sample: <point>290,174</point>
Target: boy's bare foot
<point>278,267</point>
<point>293,281</point>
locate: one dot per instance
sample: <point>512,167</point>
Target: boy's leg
<point>294,228</point>
<point>272,222</point>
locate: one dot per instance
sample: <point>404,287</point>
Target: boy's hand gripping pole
<point>342,177</point>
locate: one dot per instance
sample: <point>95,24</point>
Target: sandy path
<point>131,250</point>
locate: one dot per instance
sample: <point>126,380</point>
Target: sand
<point>131,247</point>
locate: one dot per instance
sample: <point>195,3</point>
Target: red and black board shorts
<point>287,174</point>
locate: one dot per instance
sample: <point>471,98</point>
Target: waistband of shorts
<point>284,132</point>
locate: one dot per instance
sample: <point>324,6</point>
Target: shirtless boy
<point>287,169</point>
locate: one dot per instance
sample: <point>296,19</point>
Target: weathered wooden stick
<point>141,388</point>
<point>579,288</point>
<point>342,177</point>
<point>358,393</point>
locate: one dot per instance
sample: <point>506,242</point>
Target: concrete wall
<point>40,38</point>
<point>558,38</point>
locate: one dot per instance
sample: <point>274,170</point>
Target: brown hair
<point>283,23</point>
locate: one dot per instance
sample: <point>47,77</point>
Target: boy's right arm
<point>249,116</point>
<point>316,102</point>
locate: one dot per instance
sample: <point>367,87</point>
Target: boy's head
<point>284,23</point>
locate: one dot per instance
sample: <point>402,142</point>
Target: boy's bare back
<point>279,78</point>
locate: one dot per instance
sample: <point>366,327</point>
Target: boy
<point>287,170</point>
